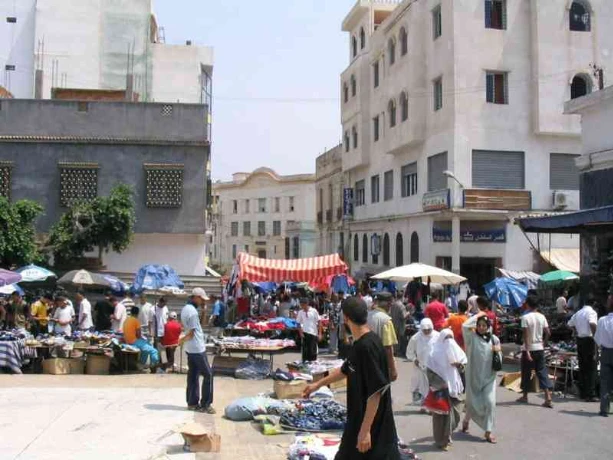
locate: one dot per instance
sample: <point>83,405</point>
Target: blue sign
<point>470,236</point>
<point>347,203</point>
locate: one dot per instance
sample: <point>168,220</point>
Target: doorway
<point>479,271</point>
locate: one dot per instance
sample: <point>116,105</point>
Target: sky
<point>275,80</point>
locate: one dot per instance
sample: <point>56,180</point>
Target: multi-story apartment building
<point>264,214</point>
<point>453,124</point>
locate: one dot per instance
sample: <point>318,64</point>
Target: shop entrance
<point>479,271</point>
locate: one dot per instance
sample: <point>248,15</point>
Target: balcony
<point>329,215</point>
<point>507,200</point>
<point>320,218</point>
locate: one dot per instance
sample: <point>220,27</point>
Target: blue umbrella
<point>506,292</point>
<point>32,273</point>
<point>116,284</point>
<point>154,277</point>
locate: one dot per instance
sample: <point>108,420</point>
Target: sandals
<point>465,426</point>
<point>547,404</point>
<point>522,400</point>
<point>491,439</point>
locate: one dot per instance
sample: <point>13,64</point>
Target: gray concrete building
<point>56,152</point>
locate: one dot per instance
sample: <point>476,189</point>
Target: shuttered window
<point>563,172</point>
<point>436,165</point>
<point>388,185</point>
<point>374,189</point>
<point>498,169</point>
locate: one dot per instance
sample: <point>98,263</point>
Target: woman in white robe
<point>418,351</point>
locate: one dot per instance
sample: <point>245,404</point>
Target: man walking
<point>380,322</point>
<point>604,339</point>
<point>370,431</point>
<point>584,324</point>
<point>310,330</point>
<point>197,362</point>
<point>536,332</point>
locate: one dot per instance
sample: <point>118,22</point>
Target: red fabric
<point>172,331</point>
<point>242,306</point>
<point>255,269</point>
<point>437,312</point>
<point>437,402</point>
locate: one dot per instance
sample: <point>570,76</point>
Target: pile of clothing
<point>264,325</point>
<point>285,376</point>
<point>314,447</point>
<point>311,415</point>
<point>315,367</point>
<point>12,336</point>
<point>252,342</point>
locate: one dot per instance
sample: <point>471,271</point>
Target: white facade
<point>264,214</point>
<point>95,44</point>
<point>329,198</point>
<point>515,116</point>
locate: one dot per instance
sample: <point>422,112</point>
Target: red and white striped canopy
<point>254,269</point>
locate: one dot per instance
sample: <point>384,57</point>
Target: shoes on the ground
<point>160,371</point>
<point>603,414</point>
<point>193,408</point>
<point>592,399</point>
<point>208,410</point>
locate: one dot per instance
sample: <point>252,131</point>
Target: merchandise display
<point>312,415</point>
<point>250,342</point>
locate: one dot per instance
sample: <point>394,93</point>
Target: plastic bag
<point>245,409</point>
<point>253,369</point>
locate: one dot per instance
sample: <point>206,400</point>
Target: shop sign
<point>470,236</point>
<point>347,203</point>
<point>436,200</point>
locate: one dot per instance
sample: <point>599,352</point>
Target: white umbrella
<point>409,272</point>
<point>83,278</point>
<point>32,273</point>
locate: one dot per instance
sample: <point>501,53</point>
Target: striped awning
<point>307,270</point>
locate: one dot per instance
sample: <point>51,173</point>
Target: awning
<point>254,269</point>
<point>563,258</point>
<point>573,222</point>
<point>530,279</point>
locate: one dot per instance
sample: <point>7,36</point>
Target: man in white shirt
<point>160,319</point>
<point>561,303</point>
<point>85,323</point>
<point>584,324</point>
<point>604,339</point>
<point>366,297</point>
<point>145,317</point>
<point>310,331</point>
<point>63,317</point>
<point>119,314</point>
<point>536,332</point>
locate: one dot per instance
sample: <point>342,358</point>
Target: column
<point>455,244</point>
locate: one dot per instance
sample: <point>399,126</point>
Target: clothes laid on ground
<point>129,330</point>
<point>313,415</point>
<point>420,348</point>
<point>253,369</point>
<point>437,312</point>
<point>535,322</point>
<point>253,342</point>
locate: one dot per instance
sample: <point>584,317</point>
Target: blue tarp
<point>265,287</point>
<point>117,286</point>
<point>153,277</point>
<point>572,222</point>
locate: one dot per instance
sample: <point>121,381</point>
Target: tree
<point>104,223</point>
<point>17,233</point>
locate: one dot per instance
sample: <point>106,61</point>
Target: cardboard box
<point>512,381</point>
<point>333,386</point>
<point>289,390</point>
<point>198,439</point>
<point>56,366</point>
<point>98,365</point>
<point>77,366</point>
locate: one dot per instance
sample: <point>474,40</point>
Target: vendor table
<point>565,363</point>
<point>271,351</point>
<point>13,354</point>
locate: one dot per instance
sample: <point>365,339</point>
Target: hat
<point>199,292</point>
<point>383,296</point>
<point>173,315</point>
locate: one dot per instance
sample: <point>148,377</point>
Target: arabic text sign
<point>468,236</point>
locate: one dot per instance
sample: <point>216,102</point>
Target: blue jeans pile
<point>316,416</point>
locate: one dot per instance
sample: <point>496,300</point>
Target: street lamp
<point>451,175</point>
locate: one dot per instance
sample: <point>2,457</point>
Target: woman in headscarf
<point>480,377</point>
<point>446,386</point>
<point>418,351</point>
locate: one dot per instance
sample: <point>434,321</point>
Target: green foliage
<point>105,223</point>
<point>17,233</point>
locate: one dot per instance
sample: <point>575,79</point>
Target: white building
<point>329,189</point>
<point>453,124</point>
<point>97,44</point>
<point>264,214</point>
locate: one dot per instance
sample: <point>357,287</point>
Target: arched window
<point>399,250</point>
<point>580,86</point>
<point>386,250</point>
<point>404,41</point>
<point>391,51</point>
<point>356,248</point>
<point>362,38</point>
<point>414,247</point>
<point>579,16</point>
<point>391,111</point>
<point>365,249</point>
<point>404,106</point>
<point>354,86</point>
<point>354,132</point>
<point>354,47</point>
<point>345,92</point>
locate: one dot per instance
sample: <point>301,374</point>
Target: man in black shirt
<point>370,432</point>
<point>103,311</point>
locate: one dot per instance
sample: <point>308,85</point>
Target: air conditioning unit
<point>560,200</point>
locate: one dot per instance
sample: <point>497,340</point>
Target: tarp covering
<point>567,259</point>
<point>530,279</point>
<point>254,269</point>
<point>572,222</point>
<point>153,277</point>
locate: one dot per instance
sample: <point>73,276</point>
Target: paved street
<point>133,417</point>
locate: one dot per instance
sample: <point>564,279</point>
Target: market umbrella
<point>409,272</point>
<point>557,276</point>
<point>83,278</point>
<point>507,292</point>
<point>10,288</point>
<point>33,273</point>
<point>8,277</point>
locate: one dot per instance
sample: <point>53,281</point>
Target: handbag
<point>496,355</point>
<point>437,402</point>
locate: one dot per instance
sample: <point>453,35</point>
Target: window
<point>276,228</point>
<point>247,248</point>
<point>404,41</point>
<point>287,248</point>
<point>234,229</point>
<point>277,204</point>
<point>436,165</point>
<point>579,17</point>
<point>375,72</point>
<point>354,133</point>
<point>247,206</point>
<point>354,47</point>
<point>391,51</point>
<point>404,106</point>
<point>391,111</point>
<point>347,143</point>
<point>375,126</point>
<point>261,228</point>
<point>79,184</point>
<point>246,228</point>
<point>296,244</point>
<point>399,250</point>
<point>261,204</point>
<point>580,86</point>
<point>354,86</point>
<point>437,22</point>
<point>388,185</point>
<point>234,251</point>
<point>360,193</point>
<point>414,247</point>
<point>291,204</point>
<point>498,169</point>
<point>438,93</point>
<point>234,206</point>
<point>496,14</point>
<point>563,172</point>
<point>364,249</point>
<point>496,87</point>
<point>409,179</point>
<point>5,179</point>
<point>386,250</point>
<point>345,92</point>
<point>356,248</point>
<point>362,38</point>
<point>374,189</point>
